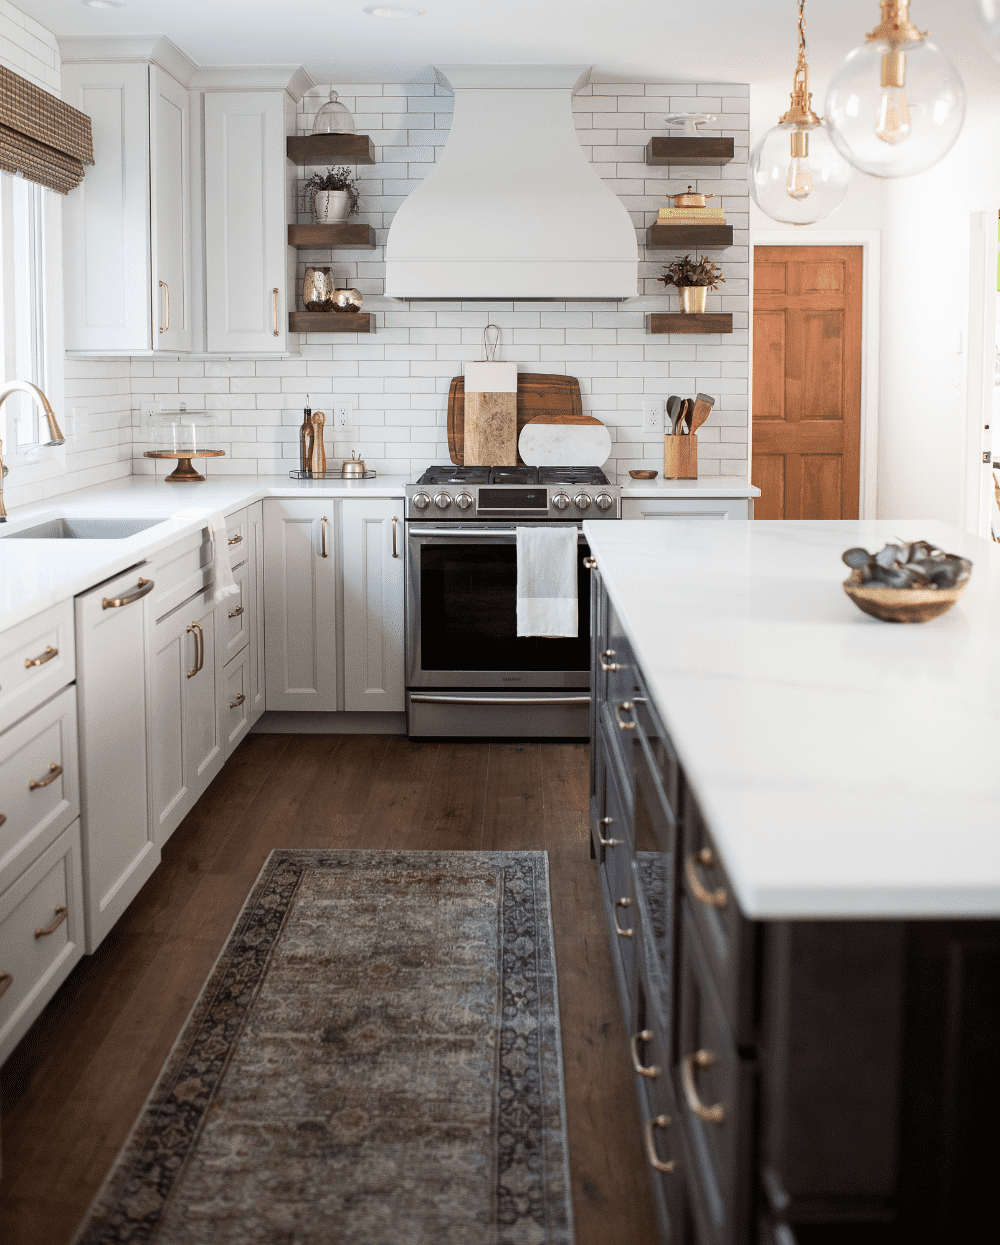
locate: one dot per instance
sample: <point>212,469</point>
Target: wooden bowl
<point>901,605</point>
<point>644,475</point>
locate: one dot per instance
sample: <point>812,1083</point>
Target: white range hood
<point>512,209</point>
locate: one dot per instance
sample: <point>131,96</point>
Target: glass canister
<point>184,432</point>
<point>333,118</point>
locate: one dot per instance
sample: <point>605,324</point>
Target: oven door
<point>461,614</point>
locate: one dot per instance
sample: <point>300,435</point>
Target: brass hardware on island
<point>706,858</point>
<point>236,540</point>
<point>661,1121</point>
<point>49,653</point>
<point>6,981</point>
<point>199,649</point>
<point>235,704</point>
<point>323,522</point>
<point>607,821</point>
<point>714,1114</point>
<point>622,933</point>
<point>55,769</point>
<point>606,666</point>
<point>61,913</point>
<point>590,564</point>
<point>652,1071</point>
<point>624,707</point>
<point>236,612</point>
<point>395,520</point>
<point>115,603</point>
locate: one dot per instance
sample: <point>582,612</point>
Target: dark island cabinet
<point>809,1081</point>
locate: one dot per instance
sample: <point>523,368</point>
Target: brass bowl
<point>901,605</point>
<point>644,475</point>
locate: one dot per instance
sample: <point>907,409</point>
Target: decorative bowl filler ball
<point>905,582</point>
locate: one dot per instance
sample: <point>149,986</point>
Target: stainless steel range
<point>468,671</point>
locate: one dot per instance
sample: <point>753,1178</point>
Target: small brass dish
<point>644,475</point>
<point>900,605</point>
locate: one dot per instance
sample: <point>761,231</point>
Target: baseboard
<point>302,723</point>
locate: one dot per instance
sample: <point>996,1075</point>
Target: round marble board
<point>564,441</point>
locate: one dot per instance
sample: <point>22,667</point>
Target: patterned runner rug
<point>374,1059</point>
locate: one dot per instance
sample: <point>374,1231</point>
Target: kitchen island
<point>796,817</point>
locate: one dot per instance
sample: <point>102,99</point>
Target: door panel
<point>170,206</point>
<point>373,606</point>
<point>807,381</point>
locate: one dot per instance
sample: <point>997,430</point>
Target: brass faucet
<point>41,401</point>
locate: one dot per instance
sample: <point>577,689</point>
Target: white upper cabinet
<point>247,189</point>
<point>126,228</point>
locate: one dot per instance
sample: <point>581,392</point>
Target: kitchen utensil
<point>491,408</point>
<point>702,409</point>
<point>690,199</point>
<point>318,463</point>
<point>353,468</point>
<point>673,410</point>
<point>644,475</point>
<point>684,415</point>
<point>537,394</point>
<point>564,441</point>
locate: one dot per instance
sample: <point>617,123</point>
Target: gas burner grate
<point>455,475</point>
<point>513,475</point>
<point>572,475</point>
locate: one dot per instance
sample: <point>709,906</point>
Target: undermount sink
<point>83,529</point>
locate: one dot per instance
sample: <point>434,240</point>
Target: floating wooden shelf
<point>330,322</point>
<point>689,150</point>
<point>325,237</point>
<point>690,322</point>
<point>684,237</point>
<point>330,148</point>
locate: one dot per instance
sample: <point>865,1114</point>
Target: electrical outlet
<point>342,416</point>
<point>148,412</point>
<point>81,420</point>
<point>652,414</point>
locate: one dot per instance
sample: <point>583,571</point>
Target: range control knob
<point>560,501</point>
<point>442,500</point>
<point>464,501</point>
<point>581,501</point>
<point>421,501</point>
<point>604,501</point>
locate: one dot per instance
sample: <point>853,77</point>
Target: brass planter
<point>693,298</point>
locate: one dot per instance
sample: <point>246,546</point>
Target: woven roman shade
<point>41,137</point>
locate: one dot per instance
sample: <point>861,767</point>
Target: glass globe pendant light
<point>896,105</point>
<point>989,14</point>
<point>796,174</point>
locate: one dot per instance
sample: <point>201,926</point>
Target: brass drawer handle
<point>605,665</point>
<point>236,612</point>
<point>6,981</point>
<point>661,1121</point>
<point>115,603</point>
<point>61,913</point>
<point>55,769</point>
<point>274,308</point>
<point>49,653</point>
<point>590,564</point>
<point>323,523</point>
<point>166,295</point>
<point>395,520</point>
<point>700,1059</point>
<point>622,903</point>
<point>646,1035</point>
<point>624,707</point>
<point>606,821</point>
<point>199,649</point>
<point>236,540</point>
<point>713,899</point>
<point>235,704</point>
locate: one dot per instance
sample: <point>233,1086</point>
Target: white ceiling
<point>658,40</point>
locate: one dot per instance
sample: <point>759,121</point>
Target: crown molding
<point>114,49</point>
<point>291,78</point>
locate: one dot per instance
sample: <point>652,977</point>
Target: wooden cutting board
<point>537,394</point>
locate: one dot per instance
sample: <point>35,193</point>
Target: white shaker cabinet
<point>687,508</point>
<point>249,268</point>
<point>372,541</point>
<point>127,227</point>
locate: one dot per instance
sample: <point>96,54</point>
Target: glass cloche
<point>333,117</point>
<point>186,432</point>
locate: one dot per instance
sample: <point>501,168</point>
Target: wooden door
<point>374,674</point>
<point>807,381</point>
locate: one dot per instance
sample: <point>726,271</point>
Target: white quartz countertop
<point>847,767</point>
<point>704,486</point>
<point>35,574</point>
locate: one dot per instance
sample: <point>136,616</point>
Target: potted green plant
<point>332,196</point>
<point>693,279</point>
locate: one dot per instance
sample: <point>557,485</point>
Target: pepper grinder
<point>318,452</point>
<point>307,438</point>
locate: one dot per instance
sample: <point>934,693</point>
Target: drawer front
<point>616,873</point>
<point>39,782</point>
<point>695,508</point>
<point>661,757</point>
<point>236,701</point>
<point>726,935</point>
<point>41,935</point>
<point>713,1088</point>
<point>180,571</point>
<point>238,529</point>
<point>653,888</point>
<point>664,1164</point>
<point>651,1042</point>
<point>236,624</point>
<point>37,657</point>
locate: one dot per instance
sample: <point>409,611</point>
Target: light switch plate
<point>652,414</point>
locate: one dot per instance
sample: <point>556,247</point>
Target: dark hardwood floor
<point>73,1087</point>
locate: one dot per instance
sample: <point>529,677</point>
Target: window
<point>22,327</point>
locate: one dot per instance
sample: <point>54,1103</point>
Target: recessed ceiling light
<point>395,10</point>
<point>103,4</point>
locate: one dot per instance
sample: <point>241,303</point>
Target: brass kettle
<point>691,199</point>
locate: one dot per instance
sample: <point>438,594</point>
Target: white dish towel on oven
<point>547,603</point>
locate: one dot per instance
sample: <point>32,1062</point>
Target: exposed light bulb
<point>799,182</point>
<point>892,124</point>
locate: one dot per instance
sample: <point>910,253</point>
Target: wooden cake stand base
<point>184,473</point>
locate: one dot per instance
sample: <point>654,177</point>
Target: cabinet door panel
<point>170,212</point>
<point>255,595</point>
<point>374,674</point>
<point>172,657</point>
<point>203,743</point>
<point>235,707</point>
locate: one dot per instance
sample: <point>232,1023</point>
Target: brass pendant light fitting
<point>801,114</point>
<point>897,30</point>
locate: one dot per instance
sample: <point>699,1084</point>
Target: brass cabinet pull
<point>199,649</point>
<point>44,931</point>
<point>661,1121</point>
<point>191,629</point>
<point>55,769</point>
<point>590,563</point>
<point>236,612</point>
<point>201,646</point>
<point>236,540</point>
<point>606,821</point>
<point>274,308</point>
<point>624,707</point>
<point>235,704</point>
<point>646,1035</point>
<point>115,603</point>
<point>713,899</point>
<point>395,520</point>
<point>700,1059</point>
<point>166,295</point>
<point>49,653</point>
<point>323,523</point>
<point>622,903</point>
<point>6,981</point>
<point>605,665</point>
